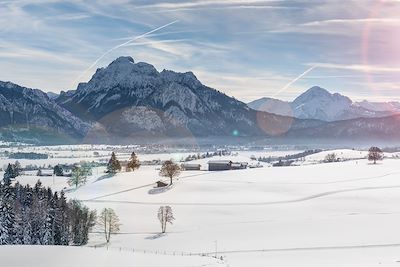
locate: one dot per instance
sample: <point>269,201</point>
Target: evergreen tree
<point>7,216</point>
<point>58,170</point>
<point>36,216</point>
<point>133,163</point>
<point>9,174</point>
<point>113,164</point>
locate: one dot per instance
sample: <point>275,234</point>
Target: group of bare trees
<point>108,221</point>
<point>165,216</point>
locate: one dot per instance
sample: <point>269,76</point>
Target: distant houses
<point>191,167</point>
<point>218,165</point>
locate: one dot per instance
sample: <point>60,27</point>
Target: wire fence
<point>213,255</point>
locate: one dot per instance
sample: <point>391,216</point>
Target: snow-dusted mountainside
<point>391,106</point>
<point>318,103</point>
<point>133,102</point>
<point>31,110</point>
<point>129,98</point>
<point>272,105</point>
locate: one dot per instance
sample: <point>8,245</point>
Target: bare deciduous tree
<point>165,216</point>
<point>374,154</point>
<point>331,157</point>
<point>170,169</point>
<point>108,222</point>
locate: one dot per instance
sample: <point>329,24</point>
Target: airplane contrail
<point>121,45</point>
<point>295,80</point>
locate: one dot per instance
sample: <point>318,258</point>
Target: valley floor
<point>333,214</point>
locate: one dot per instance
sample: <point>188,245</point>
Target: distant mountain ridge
<point>128,102</point>
<point>318,103</point>
<point>129,98</point>
<point>31,110</point>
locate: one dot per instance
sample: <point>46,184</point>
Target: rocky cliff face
<point>135,97</point>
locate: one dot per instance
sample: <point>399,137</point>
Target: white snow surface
<point>332,214</point>
<point>47,256</point>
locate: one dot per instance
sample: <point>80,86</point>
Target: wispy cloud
<point>357,67</point>
<point>350,27</point>
<point>294,80</point>
<point>122,45</point>
<point>51,42</point>
<point>209,3</point>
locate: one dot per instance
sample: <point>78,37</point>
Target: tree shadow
<point>156,236</point>
<point>160,190</point>
<point>103,177</point>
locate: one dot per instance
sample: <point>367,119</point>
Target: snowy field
<point>333,214</point>
<point>44,256</point>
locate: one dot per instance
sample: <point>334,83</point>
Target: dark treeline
<point>27,155</point>
<point>207,155</point>
<point>37,216</point>
<point>289,157</point>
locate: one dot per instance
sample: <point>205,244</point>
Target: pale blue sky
<point>246,48</point>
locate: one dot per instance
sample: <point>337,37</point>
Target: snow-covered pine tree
<point>65,235</point>
<point>18,238</point>
<point>58,170</point>
<point>27,228</point>
<point>7,216</point>
<point>9,174</point>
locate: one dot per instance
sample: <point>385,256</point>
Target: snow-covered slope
<point>333,214</point>
<point>49,256</point>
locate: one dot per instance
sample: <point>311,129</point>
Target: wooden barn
<point>219,165</point>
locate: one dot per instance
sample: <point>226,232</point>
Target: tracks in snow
<point>324,194</point>
<point>307,248</point>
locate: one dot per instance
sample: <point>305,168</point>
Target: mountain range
<point>127,101</point>
<point>318,103</point>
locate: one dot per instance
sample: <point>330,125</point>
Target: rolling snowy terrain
<point>315,214</point>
